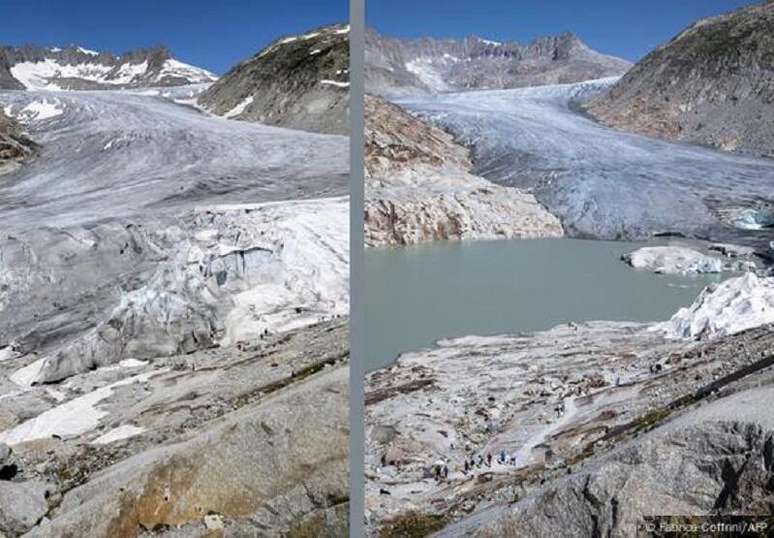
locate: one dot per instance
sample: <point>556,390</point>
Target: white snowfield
<point>36,110</point>
<point>732,306</point>
<point>75,417</point>
<point>239,108</point>
<point>47,74</point>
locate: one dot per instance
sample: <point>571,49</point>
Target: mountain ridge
<point>712,84</point>
<point>396,66</point>
<point>299,82</point>
<point>33,67</point>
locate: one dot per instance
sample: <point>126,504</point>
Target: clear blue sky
<point>625,28</point>
<point>214,34</point>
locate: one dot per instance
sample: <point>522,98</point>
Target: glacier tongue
<point>730,307</point>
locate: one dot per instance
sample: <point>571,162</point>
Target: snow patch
<point>128,72</point>
<point>176,68</point>
<point>40,110</point>
<point>88,51</point>
<point>7,353</point>
<point>489,42</point>
<point>335,83</point>
<point>426,72</point>
<point>25,377</point>
<point>132,363</point>
<point>39,75</point>
<point>72,418</point>
<point>116,434</point>
<point>239,108</point>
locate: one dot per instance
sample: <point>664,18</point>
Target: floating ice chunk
<point>674,260</point>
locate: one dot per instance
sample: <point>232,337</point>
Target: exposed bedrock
<point>419,187</point>
<point>579,420</point>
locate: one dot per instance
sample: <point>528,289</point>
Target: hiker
<point>445,472</point>
<point>467,467</point>
<point>488,459</point>
<point>384,460</point>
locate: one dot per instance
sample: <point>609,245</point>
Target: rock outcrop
<point>14,145</point>
<point>712,84</point>
<point>76,68</point>
<point>714,467</point>
<point>300,82</point>
<point>397,66</point>
<point>419,187</point>
<point>585,424</point>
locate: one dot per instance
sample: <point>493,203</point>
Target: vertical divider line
<point>356,270</point>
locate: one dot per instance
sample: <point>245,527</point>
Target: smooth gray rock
<point>22,505</point>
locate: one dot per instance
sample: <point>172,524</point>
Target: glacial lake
<point>418,295</point>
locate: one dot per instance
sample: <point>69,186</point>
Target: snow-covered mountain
<point>427,65</point>
<point>77,68</point>
<point>300,82</point>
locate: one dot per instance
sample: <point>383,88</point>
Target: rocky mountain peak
<point>712,84</point>
<point>75,67</point>
<point>297,81</point>
<point>400,66</point>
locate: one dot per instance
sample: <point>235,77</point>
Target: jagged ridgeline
<point>401,66</point>
<point>76,68</point>
<point>300,82</point>
<point>711,84</point>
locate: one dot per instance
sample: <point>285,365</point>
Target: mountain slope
<point>75,68</point>
<point>397,66</point>
<point>711,84</point>
<point>419,187</point>
<point>300,82</point>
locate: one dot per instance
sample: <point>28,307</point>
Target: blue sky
<point>625,28</point>
<point>214,34</point>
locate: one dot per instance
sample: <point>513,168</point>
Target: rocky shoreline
<point>571,405</point>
